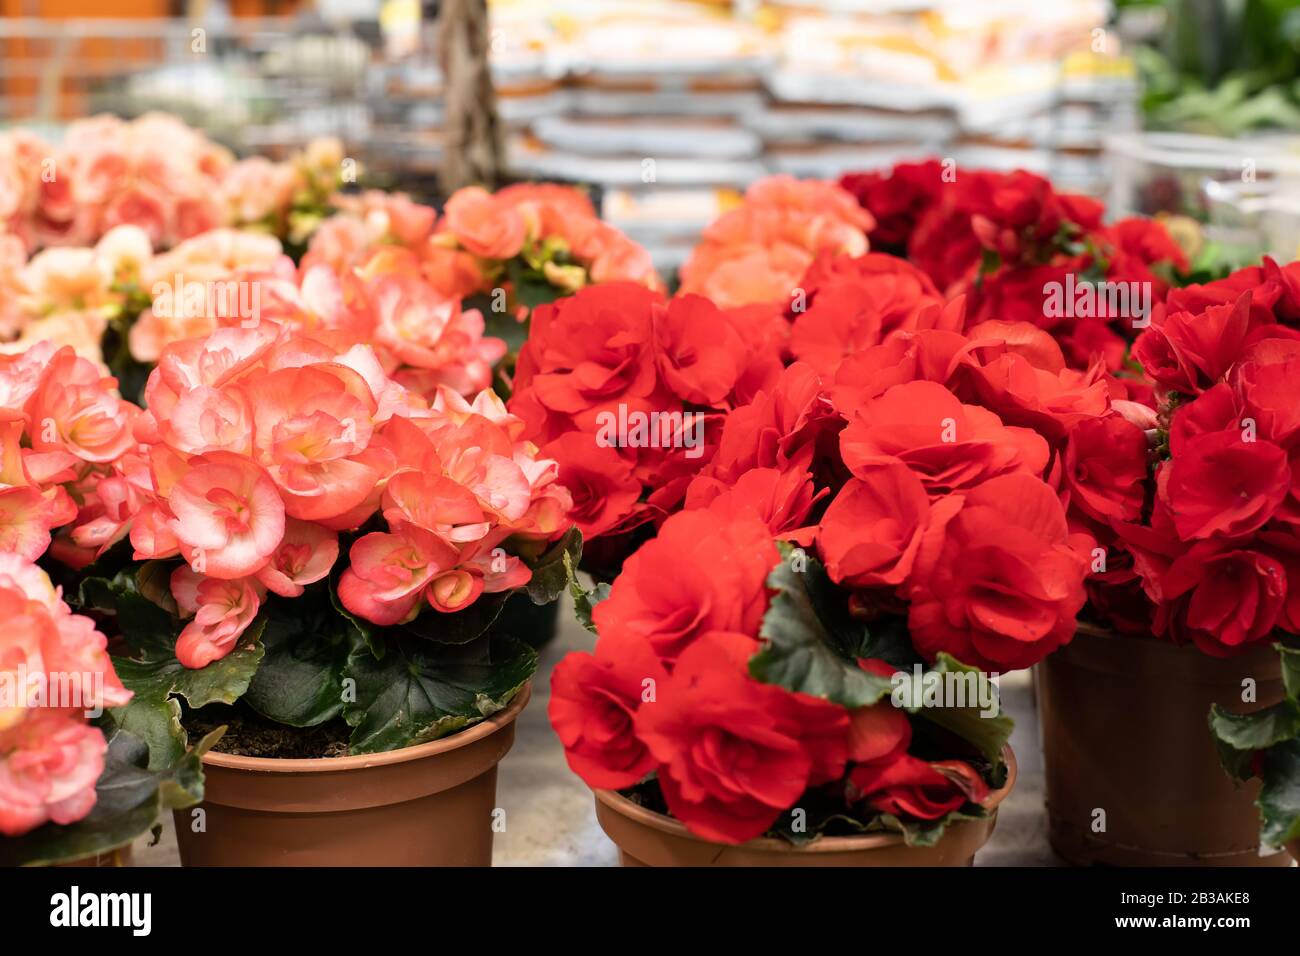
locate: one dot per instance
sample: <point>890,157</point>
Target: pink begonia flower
<point>229,517</point>
<point>207,419</point>
<point>221,609</point>
<point>498,571</point>
<point>27,511</point>
<point>454,590</point>
<point>152,535</point>
<point>484,224</point>
<point>389,572</point>
<point>110,502</point>
<point>48,768</point>
<point>311,433</point>
<point>49,757</point>
<point>20,375</point>
<point>435,503</point>
<point>77,409</point>
<point>304,557</point>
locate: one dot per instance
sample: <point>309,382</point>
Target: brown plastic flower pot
<point>1124,724</point>
<point>427,805</point>
<point>646,838</point>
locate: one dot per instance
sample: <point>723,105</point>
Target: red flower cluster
<point>924,472</point>
<point>1023,251</point>
<point>1216,553</point>
<point>625,388</point>
<point>668,691</point>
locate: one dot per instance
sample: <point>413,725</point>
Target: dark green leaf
<point>458,627</point>
<point>1257,730</point>
<point>1279,797</point>
<point>144,625</point>
<point>157,672</point>
<point>1290,671</point>
<point>551,569</point>
<point>421,690</point>
<point>584,600</point>
<point>362,629</point>
<point>156,721</point>
<point>799,653</point>
<point>989,734</point>
<point>307,643</point>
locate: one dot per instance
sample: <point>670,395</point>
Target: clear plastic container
<point>1246,192</point>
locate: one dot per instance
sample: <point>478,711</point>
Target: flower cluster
<point>231,279</point>
<point>758,252</point>
<point>153,172</point>
<point>70,457</point>
<point>1024,251</point>
<point>932,451</point>
<point>627,390</point>
<point>264,444</point>
<point>70,295</point>
<point>1205,552</point>
<point>53,671</point>
<point>669,692</point>
<point>288,199</point>
<point>518,239</point>
<point>913,462</point>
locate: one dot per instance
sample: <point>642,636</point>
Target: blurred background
<point>667,109</point>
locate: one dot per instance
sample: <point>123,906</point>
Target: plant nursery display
<point>299,471</point>
<point>329,550</point>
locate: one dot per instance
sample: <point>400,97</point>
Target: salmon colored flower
<point>221,612</point>
<point>390,571</point>
<point>483,224</point>
<point>229,517</point>
<point>305,555</point>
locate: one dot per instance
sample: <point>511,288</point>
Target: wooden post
<point>473,150</point>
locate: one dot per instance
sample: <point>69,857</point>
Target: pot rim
<point>835,844</point>
<point>484,728</point>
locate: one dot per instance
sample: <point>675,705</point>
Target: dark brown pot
<point>428,805</point>
<point>646,838</point>
<point>1124,725</point>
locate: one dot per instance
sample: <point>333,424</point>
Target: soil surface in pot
<point>249,734</point>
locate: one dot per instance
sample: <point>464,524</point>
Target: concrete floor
<point>550,819</point>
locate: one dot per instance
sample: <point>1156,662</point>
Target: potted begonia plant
<point>1266,745</point>
<point>757,690</point>
<point>75,787</point>
<point>1191,500</point>
<point>75,790</point>
<point>316,557</point>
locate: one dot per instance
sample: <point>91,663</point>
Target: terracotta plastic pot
<point>1132,776</point>
<point>428,805</point>
<point>646,838</point>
